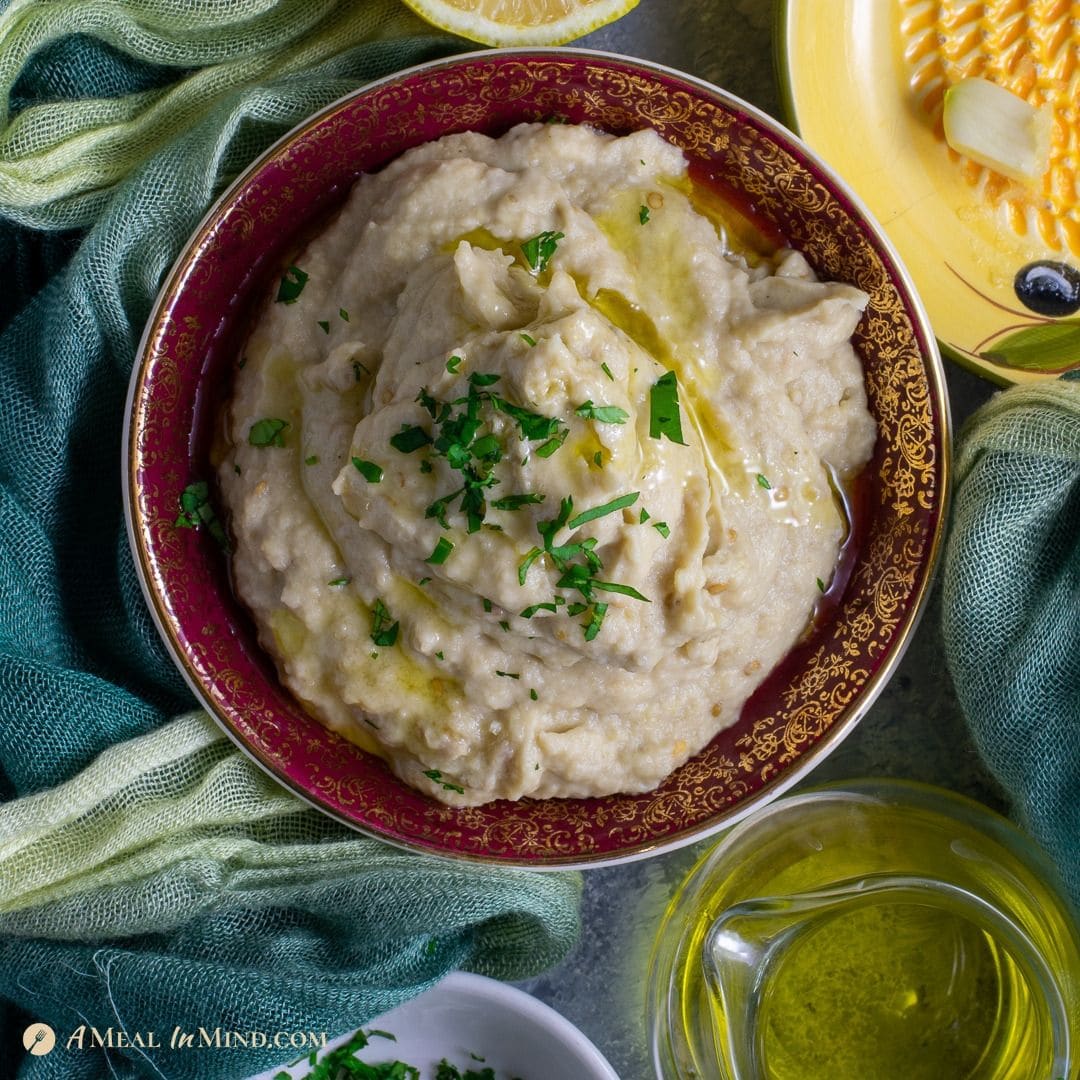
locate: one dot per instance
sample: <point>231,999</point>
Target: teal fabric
<point>1011,604</point>
<point>277,918</point>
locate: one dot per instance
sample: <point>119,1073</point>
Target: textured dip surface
<point>531,479</point>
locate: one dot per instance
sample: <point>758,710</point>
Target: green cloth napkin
<point>1011,604</point>
<point>151,878</point>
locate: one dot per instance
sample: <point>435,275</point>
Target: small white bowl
<point>476,1023</point>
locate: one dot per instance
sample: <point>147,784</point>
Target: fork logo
<point>39,1039</point>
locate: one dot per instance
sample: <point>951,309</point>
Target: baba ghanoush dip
<point>531,479</point>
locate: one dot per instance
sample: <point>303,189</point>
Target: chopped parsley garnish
<point>532,609</point>
<point>763,482</point>
<point>292,285</point>
<point>508,674</point>
<point>532,426</point>
<point>325,325</point>
<point>643,214</point>
<point>343,1062</point>
<point>343,314</point>
<point>604,414</point>
<point>434,774</point>
<point>383,631</point>
<point>453,364</point>
<point>516,502</point>
<point>644,516</point>
<point>359,371</point>
<point>593,628</point>
<point>441,552</point>
<point>664,416</point>
<point>371,472</point>
<point>338,581</point>
<point>528,339</point>
<point>545,450</point>
<point>598,459</point>
<point>311,459</point>
<point>579,575</point>
<point>662,528</point>
<point>196,510</point>
<point>607,508</point>
<point>409,439</point>
<point>486,604</point>
<point>423,581</point>
<point>539,249</point>
<point>459,436</point>
<point>607,371</point>
<point>268,432</point>
<point>534,695</point>
<point>446,1071</point>
<point>820,585</point>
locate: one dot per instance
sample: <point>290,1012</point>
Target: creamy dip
<point>531,479</point>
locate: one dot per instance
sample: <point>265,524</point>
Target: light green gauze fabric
<point>151,877</point>
<point>1011,604</point>
<point>171,884</point>
<point>59,159</point>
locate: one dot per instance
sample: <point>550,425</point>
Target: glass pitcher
<point>876,930</point>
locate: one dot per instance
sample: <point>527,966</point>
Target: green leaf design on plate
<point>1051,346</point>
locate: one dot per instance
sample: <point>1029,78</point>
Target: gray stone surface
<point>915,729</point>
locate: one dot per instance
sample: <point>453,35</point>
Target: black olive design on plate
<point>1049,288</point>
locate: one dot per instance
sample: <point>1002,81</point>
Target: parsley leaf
<point>383,632</point>
<point>539,249</point>
<point>268,432</point>
<point>624,590</point>
<point>593,627</point>
<point>441,552</point>
<point>553,444</point>
<point>197,510</point>
<point>532,609</point>
<point>604,414</point>
<point>371,472</point>
<point>763,482</point>
<point>434,774</point>
<point>664,416</point>
<point>516,502</point>
<point>409,439</point>
<point>643,214</point>
<point>453,364</point>
<point>292,285</point>
<point>607,508</point>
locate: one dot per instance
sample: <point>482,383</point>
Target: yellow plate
<point>864,81</point>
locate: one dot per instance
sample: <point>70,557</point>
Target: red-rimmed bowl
<point>199,322</point>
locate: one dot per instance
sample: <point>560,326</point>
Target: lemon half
<point>520,22</point>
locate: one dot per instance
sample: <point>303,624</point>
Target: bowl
<point>476,1023</point>
<point>806,706</point>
